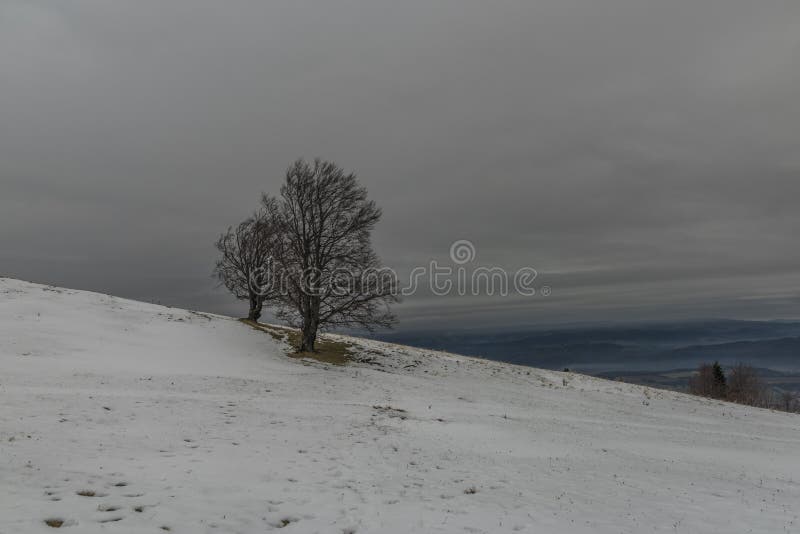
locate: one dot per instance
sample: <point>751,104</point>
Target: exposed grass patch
<point>334,352</point>
<point>55,523</point>
<point>327,351</point>
<point>279,333</point>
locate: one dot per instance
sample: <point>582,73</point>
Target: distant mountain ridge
<point>659,346</point>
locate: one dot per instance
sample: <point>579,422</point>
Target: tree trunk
<point>256,305</point>
<point>310,326</point>
<point>309,337</point>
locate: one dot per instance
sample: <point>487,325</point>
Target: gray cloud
<point>643,156</point>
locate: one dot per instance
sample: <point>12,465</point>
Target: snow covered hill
<point>120,416</point>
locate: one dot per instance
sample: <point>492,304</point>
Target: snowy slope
<point>197,423</point>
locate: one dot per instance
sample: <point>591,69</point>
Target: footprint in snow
<point>57,522</point>
<point>90,493</point>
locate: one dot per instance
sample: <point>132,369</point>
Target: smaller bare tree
<point>246,251</point>
<point>745,386</point>
<point>709,381</point>
<point>702,382</point>
<point>789,401</point>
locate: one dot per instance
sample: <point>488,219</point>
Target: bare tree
<point>745,386</point>
<point>332,276</point>
<point>701,383</point>
<point>709,381</point>
<point>246,251</point>
<point>788,401</point>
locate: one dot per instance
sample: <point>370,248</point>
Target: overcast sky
<point>642,155</point>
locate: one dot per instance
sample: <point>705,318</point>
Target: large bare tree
<point>331,276</point>
<point>246,254</point>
